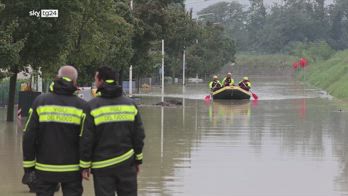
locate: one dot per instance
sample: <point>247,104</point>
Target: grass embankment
<point>266,60</point>
<point>254,64</point>
<point>331,75</point>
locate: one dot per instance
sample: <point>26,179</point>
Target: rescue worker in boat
<point>245,84</point>
<point>215,84</point>
<point>51,137</point>
<point>228,80</point>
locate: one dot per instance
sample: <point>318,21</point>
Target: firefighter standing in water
<point>51,137</point>
<point>112,139</point>
<point>245,84</point>
<point>228,80</point>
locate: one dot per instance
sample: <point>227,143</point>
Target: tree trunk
<point>138,84</point>
<point>11,97</point>
<point>173,77</point>
<point>120,76</point>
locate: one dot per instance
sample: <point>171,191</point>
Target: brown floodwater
<point>293,141</point>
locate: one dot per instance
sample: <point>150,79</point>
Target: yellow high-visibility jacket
<point>228,81</point>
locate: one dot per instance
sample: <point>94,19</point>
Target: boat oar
<point>207,98</point>
<point>254,95</point>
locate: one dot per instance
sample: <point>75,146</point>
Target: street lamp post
<point>130,85</point>
<point>130,90</point>
<point>183,66</point>
<point>162,93</point>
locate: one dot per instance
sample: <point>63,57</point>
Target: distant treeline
<point>283,26</point>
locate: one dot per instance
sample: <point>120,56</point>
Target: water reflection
<point>162,131</point>
<point>273,147</point>
<point>227,111</point>
<point>183,105</point>
<point>10,156</point>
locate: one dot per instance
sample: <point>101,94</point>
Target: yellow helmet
<point>245,78</point>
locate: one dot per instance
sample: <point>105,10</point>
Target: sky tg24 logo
<point>44,13</point>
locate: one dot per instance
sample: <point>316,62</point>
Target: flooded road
<point>293,141</point>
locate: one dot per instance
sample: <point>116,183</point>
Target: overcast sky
<point>197,5</point>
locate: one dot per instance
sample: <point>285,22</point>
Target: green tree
<point>213,51</point>
<point>256,21</point>
<point>40,43</point>
<point>121,49</point>
<point>232,17</point>
<point>180,32</point>
<point>338,32</point>
<point>9,60</point>
<point>149,32</point>
<point>102,36</point>
<point>258,30</point>
<point>90,37</point>
<point>293,21</point>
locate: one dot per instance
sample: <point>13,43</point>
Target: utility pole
<point>183,66</point>
<point>130,84</point>
<point>162,70</point>
<point>130,90</point>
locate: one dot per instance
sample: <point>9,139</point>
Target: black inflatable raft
<point>231,92</point>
